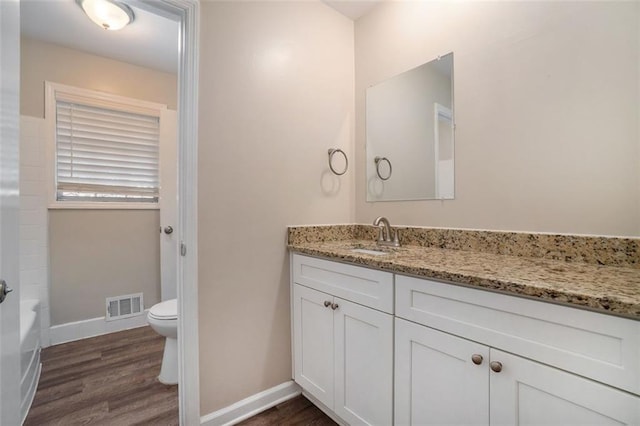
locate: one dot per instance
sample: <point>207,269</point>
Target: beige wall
<point>546,105</point>
<point>42,61</point>
<point>95,254</point>
<point>276,91</point>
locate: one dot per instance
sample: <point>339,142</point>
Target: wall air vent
<point>127,306</point>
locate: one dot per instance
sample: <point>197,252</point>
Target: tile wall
<point>34,279</point>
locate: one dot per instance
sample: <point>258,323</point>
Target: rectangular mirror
<point>410,137</point>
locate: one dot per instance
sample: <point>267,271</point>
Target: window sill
<point>71,205</point>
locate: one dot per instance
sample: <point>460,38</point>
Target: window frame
<point>55,92</point>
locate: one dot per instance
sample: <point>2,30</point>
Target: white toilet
<point>163,318</point>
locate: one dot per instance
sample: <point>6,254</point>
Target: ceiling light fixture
<point>108,14</point>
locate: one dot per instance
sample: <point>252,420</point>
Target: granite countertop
<point>607,289</point>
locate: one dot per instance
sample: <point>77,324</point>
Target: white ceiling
<point>353,9</point>
<point>150,41</point>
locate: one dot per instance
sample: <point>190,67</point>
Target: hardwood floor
<point>112,380</point>
<point>105,380</point>
<point>298,411</point>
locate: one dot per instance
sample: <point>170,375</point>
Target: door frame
<point>187,14</point>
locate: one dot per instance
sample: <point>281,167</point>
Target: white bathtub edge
<point>29,353</point>
<point>26,402</point>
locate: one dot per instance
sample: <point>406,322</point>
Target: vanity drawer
<point>365,286</point>
<point>598,346</point>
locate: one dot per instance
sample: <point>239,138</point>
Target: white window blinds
<point>105,155</point>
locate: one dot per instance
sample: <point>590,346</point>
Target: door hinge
<point>183,249</point>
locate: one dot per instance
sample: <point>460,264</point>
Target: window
<point>106,148</point>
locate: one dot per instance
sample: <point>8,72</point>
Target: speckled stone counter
<point>597,273</point>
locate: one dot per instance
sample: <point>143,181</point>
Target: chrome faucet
<point>384,236</point>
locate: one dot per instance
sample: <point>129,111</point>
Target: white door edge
<point>168,203</point>
<point>10,398</point>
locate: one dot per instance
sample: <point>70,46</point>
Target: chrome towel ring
<point>379,160</point>
<point>332,152</point>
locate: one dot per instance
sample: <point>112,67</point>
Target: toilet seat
<point>167,310</point>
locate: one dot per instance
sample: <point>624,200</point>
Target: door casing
<point>187,13</point>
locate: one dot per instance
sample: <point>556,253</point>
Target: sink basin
<point>371,252</point>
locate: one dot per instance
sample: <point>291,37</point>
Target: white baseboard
<point>252,405</point>
<point>71,331</point>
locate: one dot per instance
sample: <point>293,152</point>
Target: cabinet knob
<point>496,366</point>
<point>334,306</point>
<point>327,303</point>
<point>477,359</point>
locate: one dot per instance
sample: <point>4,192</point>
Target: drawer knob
<point>496,366</point>
<point>327,303</point>
<point>477,359</point>
<point>334,306</point>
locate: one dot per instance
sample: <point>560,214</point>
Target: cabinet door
<point>436,379</point>
<point>527,393</point>
<point>364,364</point>
<point>313,343</point>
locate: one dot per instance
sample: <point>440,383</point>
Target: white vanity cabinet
<point>443,376</point>
<point>436,381</point>
<point>381,349</point>
<point>525,392</point>
<point>343,338</point>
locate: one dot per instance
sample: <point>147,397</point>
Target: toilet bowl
<point>163,319</point>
